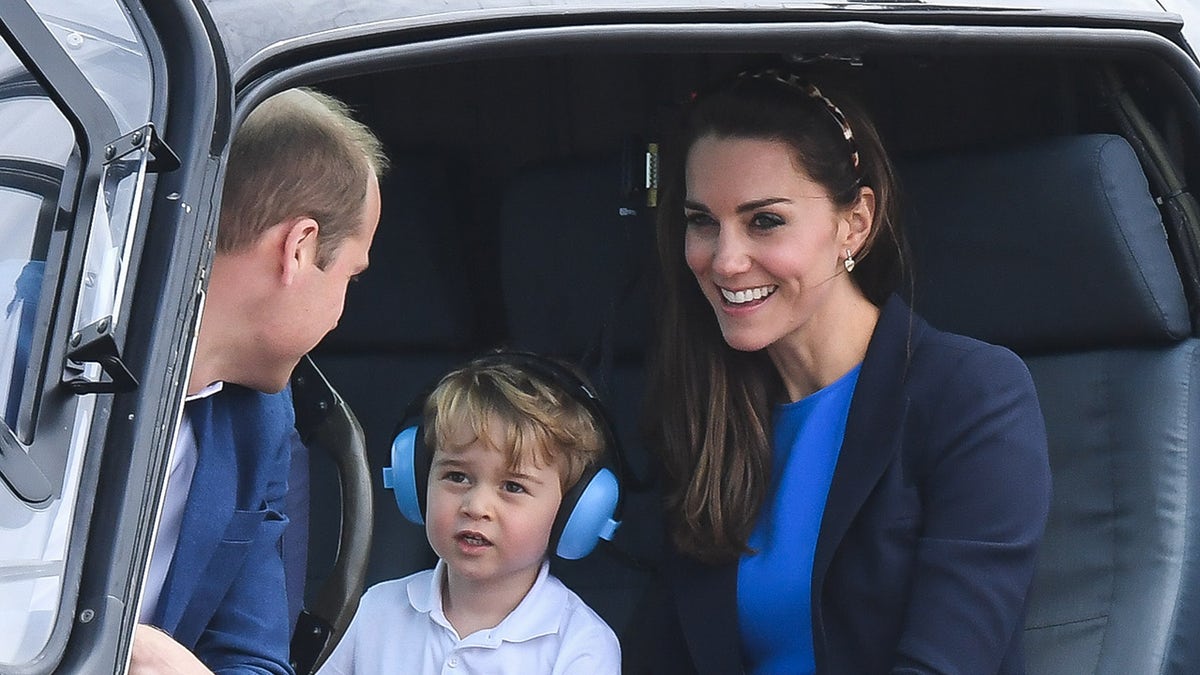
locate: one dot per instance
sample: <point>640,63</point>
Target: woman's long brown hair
<point>711,405</point>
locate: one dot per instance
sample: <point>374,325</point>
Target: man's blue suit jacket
<point>928,541</point>
<point>224,596</point>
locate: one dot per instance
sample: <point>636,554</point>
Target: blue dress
<point>774,584</point>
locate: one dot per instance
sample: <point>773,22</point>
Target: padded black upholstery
<point>408,320</point>
<point>1061,241</point>
<point>1057,250</point>
<point>575,241</point>
<point>576,245</point>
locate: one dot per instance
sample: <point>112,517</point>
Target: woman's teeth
<point>747,295</point>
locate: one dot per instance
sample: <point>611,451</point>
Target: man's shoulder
<point>237,394</point>
<point>272,414</point>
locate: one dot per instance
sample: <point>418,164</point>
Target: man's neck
<point>207,367</point>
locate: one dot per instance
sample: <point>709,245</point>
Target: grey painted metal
<point>254,30</point>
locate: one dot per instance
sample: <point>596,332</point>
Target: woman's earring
<point>850,262</point>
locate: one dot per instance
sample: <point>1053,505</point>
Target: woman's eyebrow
<point>742,208</point>
<point>760,203</point>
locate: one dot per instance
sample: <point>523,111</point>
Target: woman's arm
<point>985,493</point>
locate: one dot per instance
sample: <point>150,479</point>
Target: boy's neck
<point>472,605</point>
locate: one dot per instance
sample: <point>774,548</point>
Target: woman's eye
<point>766,221</point>
<point>514,488</point>
<point>698,219</point>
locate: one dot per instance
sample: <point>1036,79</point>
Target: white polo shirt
<point>400,628</point>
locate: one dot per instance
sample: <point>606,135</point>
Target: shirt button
<point>453,662</point>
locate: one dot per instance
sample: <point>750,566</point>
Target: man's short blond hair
<point>298,154</point>
<point>541,423</point>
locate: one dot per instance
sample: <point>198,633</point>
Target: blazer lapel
<point>209,505</point>
<point>873,429</point>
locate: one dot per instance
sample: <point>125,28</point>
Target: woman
<point>848,490</point>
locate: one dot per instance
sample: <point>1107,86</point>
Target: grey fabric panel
<point>1069,649</point>
<point>1118,563</point>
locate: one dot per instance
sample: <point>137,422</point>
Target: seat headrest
<point>1057,245</point>
<point>575,244</point>
<point>415,293</point>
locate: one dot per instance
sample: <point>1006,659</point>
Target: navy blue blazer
<point>927,545</point>
<point>224,596</point>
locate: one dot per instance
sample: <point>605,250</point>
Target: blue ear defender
<point>588,512</point>
<point>401,476</point>
<point>579,528</point>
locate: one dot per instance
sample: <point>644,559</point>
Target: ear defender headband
<point>589,507</point>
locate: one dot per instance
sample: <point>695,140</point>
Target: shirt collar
<point>205,392</point>
<point>539,612</point>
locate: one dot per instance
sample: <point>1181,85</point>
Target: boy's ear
<point>299,248</point>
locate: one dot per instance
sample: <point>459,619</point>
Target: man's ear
<point>860,219</point>
<point>299,247</point>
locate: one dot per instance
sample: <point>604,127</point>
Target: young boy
<point>507,443</point>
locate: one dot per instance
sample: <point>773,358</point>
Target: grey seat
<point>1057,250</point>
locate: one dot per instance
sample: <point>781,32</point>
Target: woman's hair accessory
<point>809,89</point>
<point>850,262</point>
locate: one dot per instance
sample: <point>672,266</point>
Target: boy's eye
<point>512,487</point>
<point>454,477</point>
<point>766,221</point>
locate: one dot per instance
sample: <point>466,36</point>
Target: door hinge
<point>94,343</point>
<point>162,157</point>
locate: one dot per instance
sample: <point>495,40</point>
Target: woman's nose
<point>731,255</point>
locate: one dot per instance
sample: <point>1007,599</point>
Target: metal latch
<point>651,174</point>
<point>162,157</point>
<point>95,344</point>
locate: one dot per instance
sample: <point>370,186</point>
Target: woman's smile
<point>748,296</point>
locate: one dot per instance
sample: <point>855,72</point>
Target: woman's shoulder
<point>954,364</point>
<point>939,346</point>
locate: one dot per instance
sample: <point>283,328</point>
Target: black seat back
<point>407,321</point>
<point>576,246</point>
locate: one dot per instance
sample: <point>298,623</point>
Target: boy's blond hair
<point>542,424</point>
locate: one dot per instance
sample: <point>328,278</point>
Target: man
<point>300,207</point>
